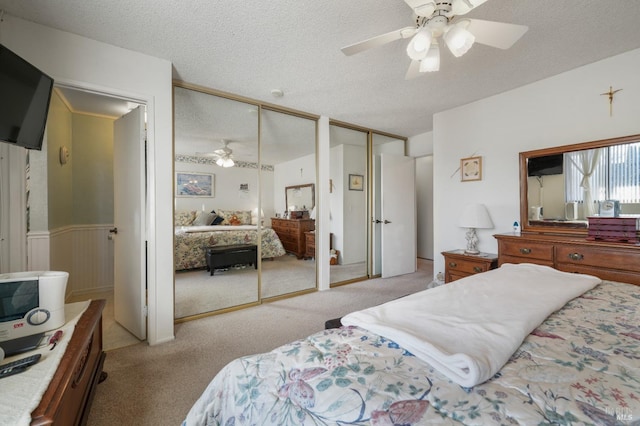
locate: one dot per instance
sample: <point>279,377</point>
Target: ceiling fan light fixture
<point>459,40</point>
<point>418,47</point>
<point>431,62</point>
<point>461,7</point>
<point>220,162</point>
<point>228,162</point>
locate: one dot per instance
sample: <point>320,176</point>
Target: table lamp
<point>474,216</point>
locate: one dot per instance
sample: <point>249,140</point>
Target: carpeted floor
<point>156,385</point>
<point>198,292</point>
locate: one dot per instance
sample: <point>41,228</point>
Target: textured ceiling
<point>250,47</point>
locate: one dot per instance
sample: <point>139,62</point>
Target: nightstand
<point>459,264</point>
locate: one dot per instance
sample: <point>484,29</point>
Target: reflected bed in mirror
<point>561,187</point>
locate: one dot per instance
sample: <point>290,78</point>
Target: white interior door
<point>398,214</point>
<point>129,222</point>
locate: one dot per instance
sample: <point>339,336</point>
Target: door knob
<point>113,230</point>
<point>386,221</point>
<point>376,220</point>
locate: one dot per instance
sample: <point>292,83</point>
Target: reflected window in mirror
<point>562,187</point>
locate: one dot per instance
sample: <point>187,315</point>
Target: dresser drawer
<point>527,250</point>
<point>598,257</point>
<point>459,264</point>
<point>519,259</point>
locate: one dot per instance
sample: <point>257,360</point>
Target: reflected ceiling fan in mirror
<point>223,156</point>
<point>436,20</point>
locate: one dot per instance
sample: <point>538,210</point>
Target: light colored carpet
<point>197,291</point>
<point>156,385</point>
<point>351,271</point>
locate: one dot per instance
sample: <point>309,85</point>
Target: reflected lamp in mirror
<point>474,216</point>
<point>312,214</point>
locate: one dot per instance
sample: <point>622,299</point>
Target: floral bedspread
<point>189,252</point>
<point>581,366</point>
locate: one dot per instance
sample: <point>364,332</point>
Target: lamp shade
<point>459,40</point>
<point>475,216</point>
<point>431,62</point>
<point>419,45</point>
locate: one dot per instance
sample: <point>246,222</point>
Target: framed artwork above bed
<point>192,184</point>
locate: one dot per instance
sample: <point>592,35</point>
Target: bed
<point>194,231</point>
<point>577,363</point>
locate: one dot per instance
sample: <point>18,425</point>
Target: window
<point>613,174</point>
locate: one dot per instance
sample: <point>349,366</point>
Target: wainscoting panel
<point>86,252</point>
<point>38,251</point>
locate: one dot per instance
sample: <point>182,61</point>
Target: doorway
<point>80,189</point>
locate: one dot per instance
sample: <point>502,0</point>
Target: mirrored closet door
<point>216,198</point>
<point>288,180</point>
<point>244,202</point>
<point>348,204</point>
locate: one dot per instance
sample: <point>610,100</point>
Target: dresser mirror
<point>300,198</point>
<point>561,187</point>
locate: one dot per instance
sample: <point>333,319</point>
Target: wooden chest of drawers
<point>607,260</point>
<point>291,233</point>
<point>310,246</point>
<point>458,264</point>
<point>68,398</point>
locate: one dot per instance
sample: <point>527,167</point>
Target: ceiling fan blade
<point>422,7</point>
<point>378,41</point>
<point>413,71</point>
<point>496,34</point>
<point>461,7</point>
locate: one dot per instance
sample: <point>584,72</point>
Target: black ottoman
<point>332,323</point>
<point>225,256</point>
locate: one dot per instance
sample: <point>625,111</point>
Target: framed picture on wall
<point>471,169</point>
<point>192,184</point>
<point>356,182</point>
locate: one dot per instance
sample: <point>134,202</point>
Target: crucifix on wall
<point>610,94</point>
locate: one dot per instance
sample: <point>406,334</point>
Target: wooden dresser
<point>291,233</point>
<point>458,264</point>
<point>607,260</point>
<point>310,244</point>
<point>68,398</point>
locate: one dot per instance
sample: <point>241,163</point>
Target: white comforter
<point>468,329</point>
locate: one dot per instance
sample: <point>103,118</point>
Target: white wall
<point>424,206</point>
<point>88,64</point>
<point>560,110</point>
<point>300,171</point>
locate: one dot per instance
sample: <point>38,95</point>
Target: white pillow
<point>203,219</point>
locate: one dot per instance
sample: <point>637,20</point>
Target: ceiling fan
<point>436,19</point>
<point>223,156</point>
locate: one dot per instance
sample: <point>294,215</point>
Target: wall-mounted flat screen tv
<point>545,166</point>
<point>25,92</point>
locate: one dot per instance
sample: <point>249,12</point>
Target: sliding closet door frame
<point>260,107</point>
<point>370,176</point>
<point>318,225</point>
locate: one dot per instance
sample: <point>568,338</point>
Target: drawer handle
<point>575,256</point>
<point>525,250</point>
<point>477,269</point>
<point>453,264</point>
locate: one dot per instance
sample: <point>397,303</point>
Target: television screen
<point>25,92</point>
<point>545,166</point>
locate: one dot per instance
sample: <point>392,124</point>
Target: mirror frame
<point>558,228</point>
<point>313,194</point>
